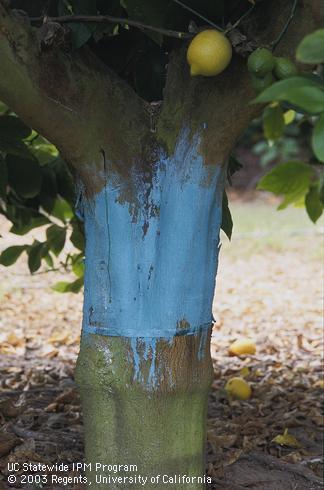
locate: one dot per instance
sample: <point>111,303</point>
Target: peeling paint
<point>203,344</point>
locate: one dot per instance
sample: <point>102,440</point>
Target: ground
<point>268,288</point>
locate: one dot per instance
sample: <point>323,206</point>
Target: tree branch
<point>275,43</point>
<point>76,102</point>
<point>108,19</point>
<point>218,108</point>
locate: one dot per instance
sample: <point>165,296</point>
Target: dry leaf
<point>286,439</point>
<point>223,440</point>
<point>59,338</point>
<point>9,409</point>
<point>7,442</point>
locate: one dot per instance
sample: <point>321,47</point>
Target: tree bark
<point>144,367</point>
<point>145,403</point>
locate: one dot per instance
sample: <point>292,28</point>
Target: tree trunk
<point>144,367</point>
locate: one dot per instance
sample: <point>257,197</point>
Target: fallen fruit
<point>242,346</point>
<point>238,388</point>
<point>209,53</point>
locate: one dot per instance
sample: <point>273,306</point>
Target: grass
<point>259,226</point>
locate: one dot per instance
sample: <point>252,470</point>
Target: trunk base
<point>145,404</point>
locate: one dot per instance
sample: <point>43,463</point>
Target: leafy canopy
<point>300,97</point>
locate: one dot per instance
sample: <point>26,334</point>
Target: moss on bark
<point>157,425</point>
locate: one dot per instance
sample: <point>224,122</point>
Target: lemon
<point>260,84</point>
<point>242,346</point>
<point>209,53</point>
<point>284,68</point>
<point>261,62</point>
<point>238,388</point>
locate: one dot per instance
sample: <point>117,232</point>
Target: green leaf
<point>112,8</point>
<point>78,265</point>
<point>81,32</point>
<point>310,99</point>
<point>24,176</point>
<point>12,128</point>
<point>3,107</point>
<point>33,223</point>
<point>314,206</point>
<point>233,166</point>
<point>65,184</point>
<point>279,90</point>
<point>152,12</point>
<point>48,193</point>
<point>62,210</point>
<point>56,236</point>
<point>49,260</point>
<point>11,254</point>
<point>35,254</point>
<point>273,122</point>
<point>318,138</point>
<point>68,287</point>
<point>44,153</point>
<point>77,237</point>
<point>291,179</point>
<point>227,222</point>
<point>3,178</point>
<point>17,148</point>
<point>60,287</point>
<point>289,116</point>
<point>321,187</point>
<point>311,48</point>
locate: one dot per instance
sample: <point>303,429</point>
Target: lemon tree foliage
<point>36,187</point>
<point>311,48</point>
<point>293,96</point>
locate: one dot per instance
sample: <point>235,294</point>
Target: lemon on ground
<point>259,84</point>
<point>238,388</point>
<point>242,346</point>
<point>209,53</point>
<point>284,68</point>
<point>261,62</point>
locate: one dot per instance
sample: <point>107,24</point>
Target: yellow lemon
<point>238,388</point>
<point>242,346</point>
<point>209,53</point>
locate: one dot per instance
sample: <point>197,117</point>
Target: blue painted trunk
<point>144,368</point>
<point>151,262</point>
